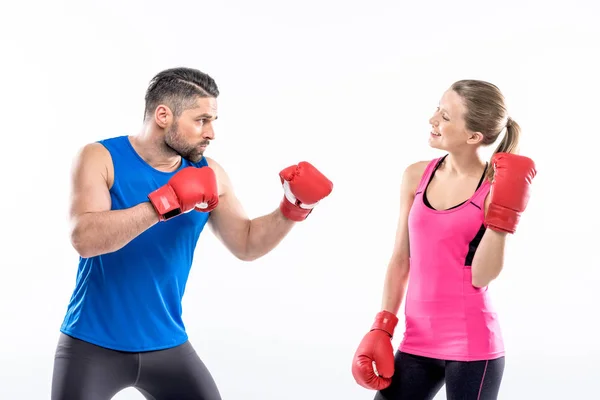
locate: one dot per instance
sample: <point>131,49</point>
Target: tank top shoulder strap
<point>120,152</point>
<point>482,191</point>
<point>114,144</point>
<point>427,174</point>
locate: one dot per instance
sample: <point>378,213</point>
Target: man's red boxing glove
<point>304,186</point>
<point>376,347</point>
<point>509,192</point>
<point>190,188</point>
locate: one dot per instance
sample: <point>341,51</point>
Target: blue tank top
<point>130,300</point>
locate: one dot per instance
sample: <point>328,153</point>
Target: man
<point>138,206</point>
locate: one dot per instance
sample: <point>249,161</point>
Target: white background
<point>348,86</point>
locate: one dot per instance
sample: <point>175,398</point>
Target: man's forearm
<point>265,233</point>
<point>97,233</point>
<point>489,258</point>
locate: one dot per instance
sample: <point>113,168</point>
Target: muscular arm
<point>397,272</point>
<point>488,260</point>
<point>95,228</point>
<point>247,239</point>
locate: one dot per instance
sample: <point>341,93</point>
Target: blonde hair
<point>487,113</point>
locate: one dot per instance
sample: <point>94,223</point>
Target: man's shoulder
<point>212,163</point>
<point>97,152</point>
<point>222,178</point>
<point>103,145</point>
<point>112,140</point>
<point>93,149</point>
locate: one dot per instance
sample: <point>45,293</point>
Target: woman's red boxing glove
<point>373,363</point>
<point>509,193</point>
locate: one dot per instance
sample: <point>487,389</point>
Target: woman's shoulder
<point>413,174</point>
<point>415,170</point>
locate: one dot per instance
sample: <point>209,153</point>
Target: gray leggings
<point>84,371</point>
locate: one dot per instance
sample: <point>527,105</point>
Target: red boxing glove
<point>189,189</point>
<point>304,186</point>
<point>376,347</point>
<point>509,193</point>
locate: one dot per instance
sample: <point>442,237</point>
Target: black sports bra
<point>431,178</point>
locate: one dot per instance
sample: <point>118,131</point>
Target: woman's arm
<point>488,260</point>
<point>507,200</point>
<point>398,267</point>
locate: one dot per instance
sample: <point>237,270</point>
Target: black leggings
<point>84,371</point>
<point>421,378</point>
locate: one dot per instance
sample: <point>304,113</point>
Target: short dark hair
<point>178,88</point>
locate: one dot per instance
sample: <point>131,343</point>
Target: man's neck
<point>151,147</point>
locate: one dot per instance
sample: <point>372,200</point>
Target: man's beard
<point>190,153</point>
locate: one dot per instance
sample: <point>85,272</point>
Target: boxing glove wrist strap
<point>165,202</point>
<point>385,321</point>
<point>292,211</point>
<point>501,218</point>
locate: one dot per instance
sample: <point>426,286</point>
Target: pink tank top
<point>446,316</point>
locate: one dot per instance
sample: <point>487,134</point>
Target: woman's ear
<point>474,137</point>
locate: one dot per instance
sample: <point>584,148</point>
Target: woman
<point>455,214</point>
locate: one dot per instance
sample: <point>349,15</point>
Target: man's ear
<point>163,116</point>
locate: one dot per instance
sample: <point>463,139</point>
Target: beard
<point>175,142</point>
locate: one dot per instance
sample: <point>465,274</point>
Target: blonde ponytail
<point>509,144</point>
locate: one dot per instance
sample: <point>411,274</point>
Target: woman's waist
<point>448,304</point>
